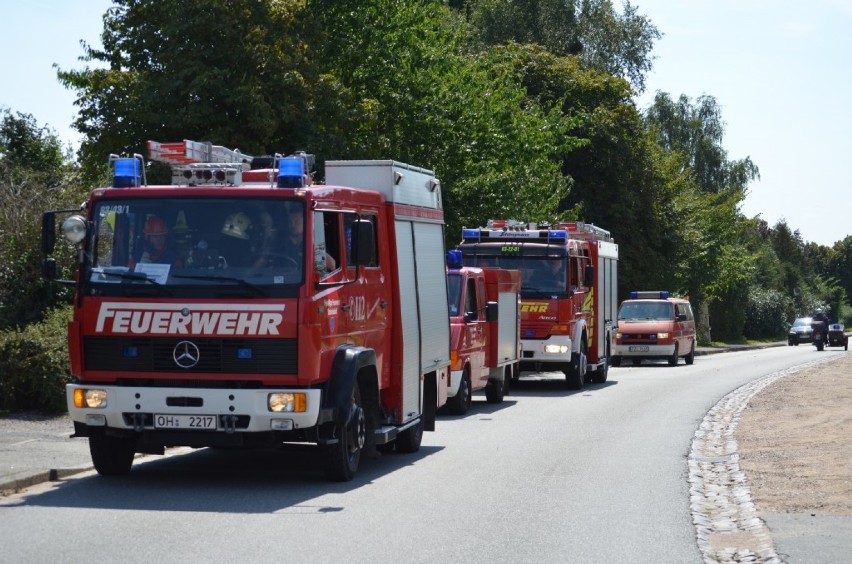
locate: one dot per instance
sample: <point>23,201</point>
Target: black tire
<point>820,345</point>
<point>673,357</point>
<point>576,375</point>
<point>409,440</point>
<point>690,358</point>
<point>616,361</point>
<point>495,390</point>
<point>112,456</point>
<point>460,403</point>
<point>344,456</point>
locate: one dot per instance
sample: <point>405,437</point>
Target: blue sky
<point>780,70</point>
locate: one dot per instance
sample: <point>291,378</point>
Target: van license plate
<point>204,422</point>
<point>638,348</point>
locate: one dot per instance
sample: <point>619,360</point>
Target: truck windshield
<point>540,275</point>
<point>252,245</point>
<point>454,289</point>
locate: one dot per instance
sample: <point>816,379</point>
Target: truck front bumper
<point>551,354</point>
<point>177,409</point>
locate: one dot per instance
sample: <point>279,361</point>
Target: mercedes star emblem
<point>186,354</point>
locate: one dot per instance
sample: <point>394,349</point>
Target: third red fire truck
<point>569,291</point>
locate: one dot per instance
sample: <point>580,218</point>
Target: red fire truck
<point>246,307</point>
<point>485,325</point>
<point>569,291</point>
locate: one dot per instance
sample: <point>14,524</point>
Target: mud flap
<point>430,401</point>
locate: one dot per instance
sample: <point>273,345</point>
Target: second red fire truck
<point>569,291</point>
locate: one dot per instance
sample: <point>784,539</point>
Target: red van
<point>654,325</point>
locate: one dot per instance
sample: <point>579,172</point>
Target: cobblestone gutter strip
<point>727,526</point>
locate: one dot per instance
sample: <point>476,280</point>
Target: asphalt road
<point>598,475</point>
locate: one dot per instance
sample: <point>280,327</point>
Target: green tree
<point>35,175</point>
<point>603,39</point>
<point>714,261</point>
<point>231,71</point>
<point>466,117</point>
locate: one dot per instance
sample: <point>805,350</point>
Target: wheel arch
<point>351,364</point>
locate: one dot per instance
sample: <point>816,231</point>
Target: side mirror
<point>48,268</point>
<point>492,312</point>
<point>681,317</point>
<point>48,232</point>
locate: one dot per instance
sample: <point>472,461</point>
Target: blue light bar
<point>470,233</point>
<point>454,259</point>
<point>126,173</point>
<point>291,173</point>
<point>558,234</point>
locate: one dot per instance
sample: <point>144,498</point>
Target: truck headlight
<point>556,349</point>
<point>290,402</point>
<point>90,398</point>
<point>661,336</point>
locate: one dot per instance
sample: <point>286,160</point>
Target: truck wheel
<point>410,439</point>
<point>690,358</point>
<point>673,357</point>
<point>460,403</point>
<point>496,389</point>
<point>112,456</point>
<point>343,457</point>
<point>820,346</point>
<point>575,375</point>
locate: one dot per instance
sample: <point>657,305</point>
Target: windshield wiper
<point>245,284</point>
<point>136,277</point>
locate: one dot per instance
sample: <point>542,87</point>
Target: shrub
<point>34,364</point>
<point>766,316</point>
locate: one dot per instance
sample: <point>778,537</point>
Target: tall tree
<point>226,70</point>
<point>605,40</point>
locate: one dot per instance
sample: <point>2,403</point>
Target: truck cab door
<point>475,326</point>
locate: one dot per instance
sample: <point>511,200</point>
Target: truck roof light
<point>454,259</point>
<point>291,173</point>
<point>662,294</point>
<point>470,233</point>
<point>126,172</point>
<point>558,234</point>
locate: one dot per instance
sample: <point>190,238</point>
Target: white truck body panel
<point>508,349</point>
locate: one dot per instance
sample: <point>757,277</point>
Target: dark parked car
<point>801,331</point>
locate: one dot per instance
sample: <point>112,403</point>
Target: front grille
<point>639,338</point>
<point>217,356</point>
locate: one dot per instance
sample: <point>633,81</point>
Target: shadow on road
<point>222,481</point>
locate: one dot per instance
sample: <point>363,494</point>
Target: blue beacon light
<point>290,173</point>
<point>126,173</point>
